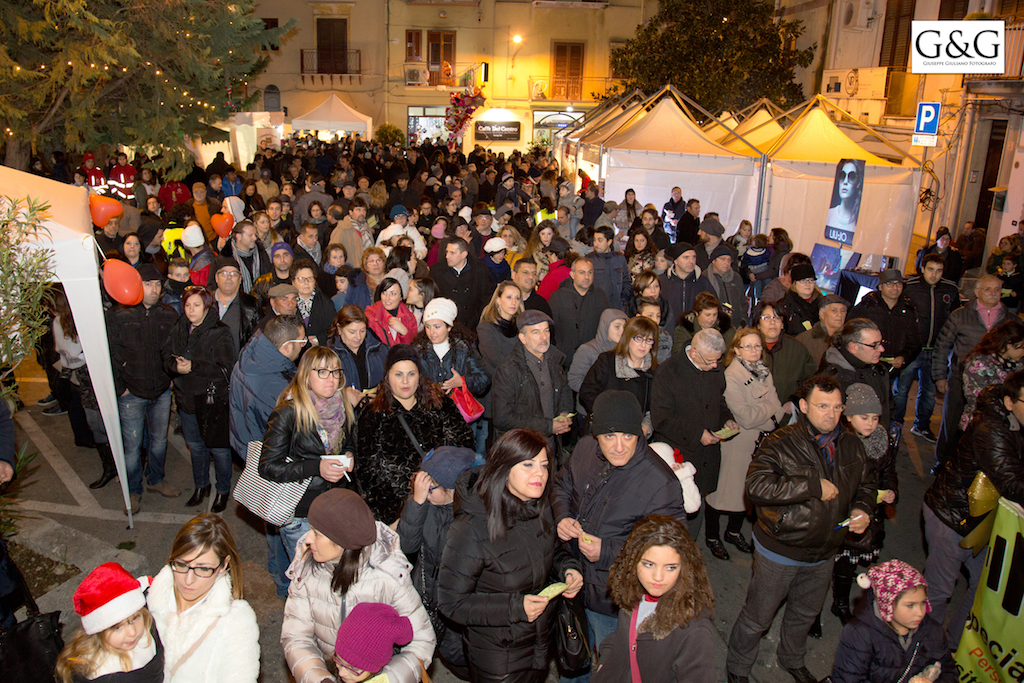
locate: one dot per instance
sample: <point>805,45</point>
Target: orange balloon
<point>122,282</point>
<point>103,209</point>
<point>222,223</point>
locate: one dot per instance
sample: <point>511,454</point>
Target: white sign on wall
<point>957,47</point>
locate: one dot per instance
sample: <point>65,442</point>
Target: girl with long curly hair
<point>661,587</point>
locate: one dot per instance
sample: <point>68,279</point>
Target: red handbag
<point>467,404</point>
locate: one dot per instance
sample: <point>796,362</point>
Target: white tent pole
<point>760,193</point>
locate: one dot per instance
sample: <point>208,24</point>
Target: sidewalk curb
<point>64,544</point>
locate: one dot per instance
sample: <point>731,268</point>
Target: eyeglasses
<point>870,346</point>
<point>850,177</point>
<point>298,341</point>
<point>433,488</point>
<point>229,274</point>
<point>704,360</point>
<point>201,572</point>
<point>770,318</point>
<point>305,279</point>
<point>351,669</point>
<point>828,408</point>
<point>752,347</point>
<point>643,340</point>
<point>324,373</point>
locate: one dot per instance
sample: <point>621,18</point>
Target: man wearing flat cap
<point>611,481</point>
<point>832,310</point>
<point>711,233</point>
<point>530,388</point>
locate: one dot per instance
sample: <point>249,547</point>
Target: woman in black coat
<point>501,551</point>
<point>629,367</point>
<point>294,448</point>
<point>387,458</point>
<point>198,356</point>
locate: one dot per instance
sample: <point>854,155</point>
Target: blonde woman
<point>313,419</point>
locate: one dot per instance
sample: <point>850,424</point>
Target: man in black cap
<point>832,311</point>
<point>530,388</point>
<point>611,481</point>
<point>135,334</point>
<point>236,309</point>
<point>401,194</point>
<point>679,284</point>
<point>726,283</point>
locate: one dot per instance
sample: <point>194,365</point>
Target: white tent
<point>75,265</point>
<point>760,130</point>
<point>333,114</point>
<point>801,175</point>
<point>658,146</point>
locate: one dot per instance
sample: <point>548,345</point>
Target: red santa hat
<point>108,596</point>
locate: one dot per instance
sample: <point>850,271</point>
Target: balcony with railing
<point>327,61</point>
<point>569,89</point>
<point>445,75</point>
<point>1014,46</point>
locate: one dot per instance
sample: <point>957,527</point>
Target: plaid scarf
<point>826,442</point>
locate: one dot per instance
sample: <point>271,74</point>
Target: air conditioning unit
<point>856,15</point>
<point>417,75</point>
<point>538,90</point>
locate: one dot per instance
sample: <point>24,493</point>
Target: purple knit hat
<point>888,580</point>
<point>367,637</point>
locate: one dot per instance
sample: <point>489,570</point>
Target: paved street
<point>68,521</point>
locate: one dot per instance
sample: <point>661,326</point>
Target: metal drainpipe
<point>961,164</point>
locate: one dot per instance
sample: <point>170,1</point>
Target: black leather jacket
<point>784,484</point>
<point>993,444</point>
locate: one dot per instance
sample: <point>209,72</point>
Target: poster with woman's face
<point>847,191</point>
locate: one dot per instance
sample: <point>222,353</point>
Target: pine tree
<point>141,73</point>
<point>724,54</point>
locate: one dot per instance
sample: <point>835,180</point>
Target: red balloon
<point>222,223</point>
<point>122,282</point>
<point>103,209</point>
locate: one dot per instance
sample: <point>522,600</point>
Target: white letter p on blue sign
<point>927,122</point>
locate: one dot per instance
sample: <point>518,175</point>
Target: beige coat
<point>753,405</point>
<point>314,612</point>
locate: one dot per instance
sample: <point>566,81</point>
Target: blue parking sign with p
<point>927,122</point>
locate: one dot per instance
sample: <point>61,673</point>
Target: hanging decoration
<point>458,115</point>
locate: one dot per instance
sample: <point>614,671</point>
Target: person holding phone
<point>311,433</point>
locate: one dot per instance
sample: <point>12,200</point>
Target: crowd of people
<point>491,384</point>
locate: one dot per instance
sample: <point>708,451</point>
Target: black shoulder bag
<point>29,649</point>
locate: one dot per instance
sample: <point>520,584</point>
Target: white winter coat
<point>314,612</point>
<point>230,653</point>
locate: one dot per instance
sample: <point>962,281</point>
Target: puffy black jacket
<point>292,454</point>
<point>387,459</point>
<point>933,305</point>
<point>601,378</point>
<point>680,656</point>
<point>576,317</point>
<point>784,484</point>
<point>799,315</point>
<point>993,444</point>
<point>461,357</point>
<point>608,501</point>
<point>870,652</point>
<point>961,332</point>
<point>515,396</point>
<point>847,369</point>
<point>212,352</point>
<point>482,582</point>
<point>134,333</point>
<point>899,325</point>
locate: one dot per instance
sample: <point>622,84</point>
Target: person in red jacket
<point>122,180</point>
<point>93,176</point>
<point>173,192</point>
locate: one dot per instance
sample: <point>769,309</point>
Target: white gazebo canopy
<point>333,114</point>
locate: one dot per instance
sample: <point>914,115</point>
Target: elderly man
<point>284,300</point>
<point>236,309</point>
<point>962,331</point>
<point>692,384</point>
<point>855,357</point>
<point>832,311</point>
<point>679,284</point>
<point>934,298</point>
<point>281,257</point>
<point>726,283</point>
<point>805,480</point>
<point>576,307</point>
<point>612,480</point>
<point>136,334</point>
<point>529,388</point>
<point>993,444</point>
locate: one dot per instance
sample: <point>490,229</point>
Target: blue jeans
<point>201,456</point>
<point>941,570</point>
<point>920,370</point>
<point>277,559</point>
<point>600,626</point>
<point>139,416</point>
<point>481,428</point>
<point>291,533</point>
<point>802,588</point>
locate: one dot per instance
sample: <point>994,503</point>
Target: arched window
<point>271,98</point>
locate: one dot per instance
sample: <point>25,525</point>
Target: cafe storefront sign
<point>497,131</point>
